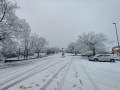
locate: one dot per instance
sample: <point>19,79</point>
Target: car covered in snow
<point>83,54</point>
<point>91,58</point>
<point>87,54</point>
<point>102,57</point>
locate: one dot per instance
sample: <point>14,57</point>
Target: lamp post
<point>117,37</point>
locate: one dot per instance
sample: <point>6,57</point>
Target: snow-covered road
<point>56,73</point>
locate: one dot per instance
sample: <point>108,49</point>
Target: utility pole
<point>117,37</point>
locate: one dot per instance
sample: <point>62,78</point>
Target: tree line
<point>16,38</point>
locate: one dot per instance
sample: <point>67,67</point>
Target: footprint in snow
<point>55,88</point>
<point>47,75</point>
<point>24,88</point>
<point>75,85</point>
<point>57,82</point>
<point>79,88</point>
<point>43,80</point>
<point>37,85</point>
<point>76,72</point>
<point>81,82</point>
<point>75,75</point>
<point>74,69</point>
<point>30,87</point>
<point>21,87</point>
<point>32,83</point>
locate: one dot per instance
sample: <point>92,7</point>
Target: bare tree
<point>26,39</point>
<point>6,7</point>
<point>39,43</point>
<point>56,49</point>
<point>71,46</point>
<point>74,47</point>
<point>28,45</point>
<point>94,42</point>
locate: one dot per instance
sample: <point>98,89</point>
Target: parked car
<point>91,58</point>
<point>89,55</point>
<point>83,54</point>
<point>86,54</point>
<point>102,57</point>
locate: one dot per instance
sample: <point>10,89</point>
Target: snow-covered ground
<point>58,73</point>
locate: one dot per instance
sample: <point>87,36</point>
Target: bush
<point>9,55</point>
<point>50,51</point>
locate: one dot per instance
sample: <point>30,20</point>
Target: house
<point>115,49</point>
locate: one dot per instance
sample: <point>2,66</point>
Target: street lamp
<point>117,37</point>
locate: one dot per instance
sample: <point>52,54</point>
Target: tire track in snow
<point>90,78</point>
<point>21,63</point>
<point>28,76</point>
<point>63,78</point>
<point>19,75</point>
<point>54,76</point>
<point>10,73</point>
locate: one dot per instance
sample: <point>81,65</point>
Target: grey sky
<point>61,21</point>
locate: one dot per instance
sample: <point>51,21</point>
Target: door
<point>101,58</point>
<point>107,57</point>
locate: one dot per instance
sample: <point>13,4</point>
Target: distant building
<point>115,49</point>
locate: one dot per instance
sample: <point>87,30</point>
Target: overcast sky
<point>61,21</point>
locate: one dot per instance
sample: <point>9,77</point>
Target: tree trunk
<point>26,54</point>
<point>112,52</point>
<point>2,16</point>
<point>38,53</point>
<point>75,53</point>
<point>18,57</point>
<point>93,51</point>
<point>19,54</point>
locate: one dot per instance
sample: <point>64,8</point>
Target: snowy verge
<point>13,60</point>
